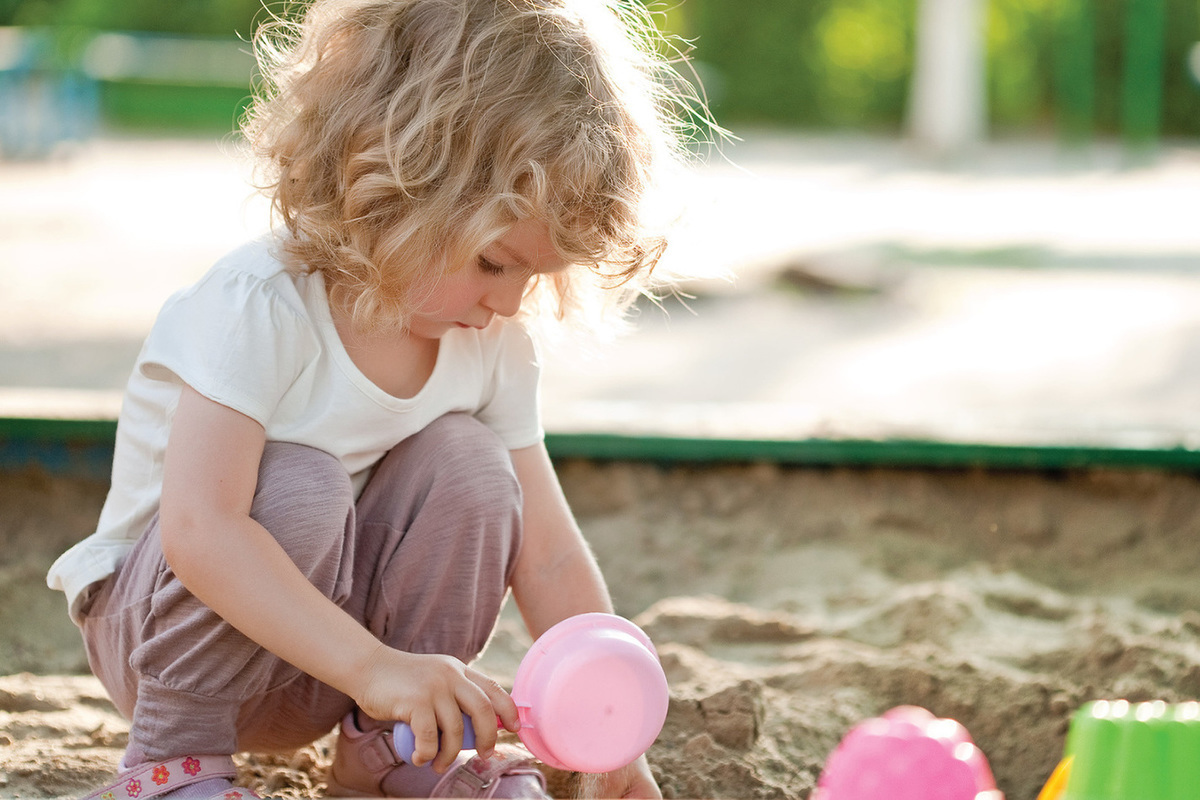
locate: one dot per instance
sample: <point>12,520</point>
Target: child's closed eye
<point>490,267</point>
<point>518,274</point>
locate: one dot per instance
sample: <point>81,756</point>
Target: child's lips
<point>476,327</point>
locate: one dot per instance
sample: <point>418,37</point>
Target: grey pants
<point>423,560</point>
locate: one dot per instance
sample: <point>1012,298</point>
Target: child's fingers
<point>450,723</point>
<point>502,703</point>
<point>483,723</point>
<point>424,724</point>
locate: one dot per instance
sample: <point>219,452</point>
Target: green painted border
<point>867,452</point>
<point>85,446</point>
<point>97,431</point>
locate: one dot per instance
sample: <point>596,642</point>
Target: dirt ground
<point>786,604</point>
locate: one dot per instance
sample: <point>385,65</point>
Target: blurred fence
<point>1138,91</point>
<point>57,86</point>
<point>45,98</point>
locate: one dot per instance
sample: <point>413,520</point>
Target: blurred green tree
<point>206,17</point>
<point>817,62</point>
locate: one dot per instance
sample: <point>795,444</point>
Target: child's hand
<point>634,780</point>
<point>431,693</point>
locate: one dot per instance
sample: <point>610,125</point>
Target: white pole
<point>946,106</point>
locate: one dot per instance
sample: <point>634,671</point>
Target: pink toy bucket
<point>907,754</point>
<point>591,694</point>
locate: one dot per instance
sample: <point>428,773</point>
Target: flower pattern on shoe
<point>161,774</point>
<point>233,795</point>
<point>108,796</point>
<point>191,766</point>
<point>133,788</point>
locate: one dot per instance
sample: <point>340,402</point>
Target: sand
<point>787,605</point>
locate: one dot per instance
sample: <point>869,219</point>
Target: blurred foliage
<point>206,17</point>
<point>847,63</point>
<point>816,63</point>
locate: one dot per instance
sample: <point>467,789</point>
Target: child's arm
<point>557,577</point>
<point>234,566</point>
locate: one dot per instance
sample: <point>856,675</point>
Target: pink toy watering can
<point>907,754</point>
<point>591,695</point>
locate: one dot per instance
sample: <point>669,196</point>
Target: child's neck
<point>396,362</point>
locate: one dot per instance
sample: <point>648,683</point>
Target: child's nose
<point>505,300</point>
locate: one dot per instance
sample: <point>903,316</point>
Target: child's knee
<point>475,484</point>
<point>459,444</point>
<point>304,499</point>
<point>456,475</point>
<point>458,429</point>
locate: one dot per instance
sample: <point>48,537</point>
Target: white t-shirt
<point>254,337</point>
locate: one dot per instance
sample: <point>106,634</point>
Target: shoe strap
<point>377,753</point>
<point>478,776</point>
<point>152,780</point>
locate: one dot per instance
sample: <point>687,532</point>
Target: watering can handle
<point>404,742</point>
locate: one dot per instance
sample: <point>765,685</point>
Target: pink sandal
<point>365,760</point>
<point>153,780</point>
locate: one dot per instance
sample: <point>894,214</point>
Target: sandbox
<point>787,604</point>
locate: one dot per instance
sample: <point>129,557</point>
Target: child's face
<point>492,285</point>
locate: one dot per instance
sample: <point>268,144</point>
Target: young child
<point>329,467</point>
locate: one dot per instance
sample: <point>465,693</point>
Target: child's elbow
<point>180,534</point>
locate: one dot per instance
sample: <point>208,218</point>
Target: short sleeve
<point>512,407</point>
<point>235,338</point>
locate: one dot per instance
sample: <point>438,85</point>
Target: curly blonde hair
<point>403,136</point>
